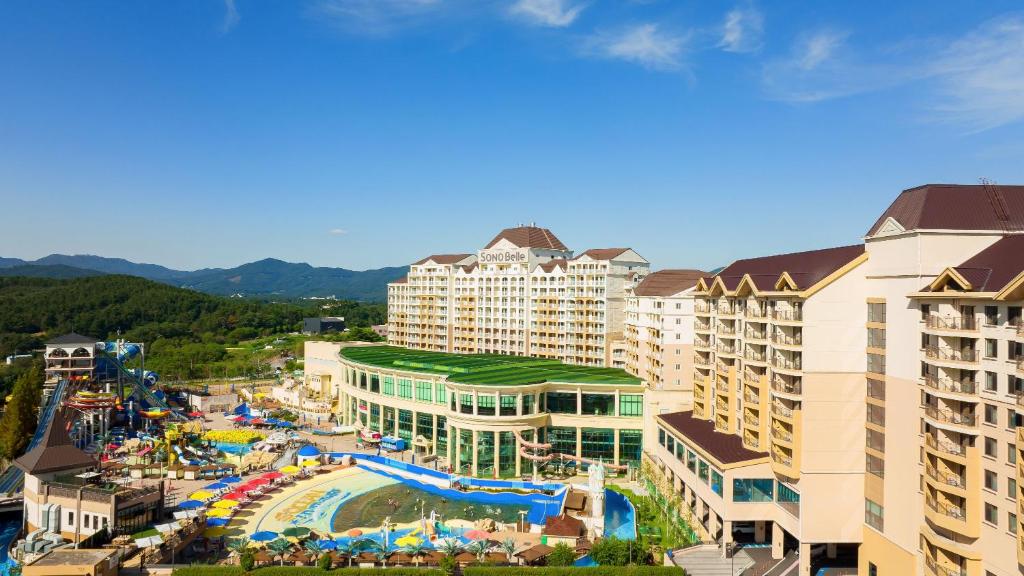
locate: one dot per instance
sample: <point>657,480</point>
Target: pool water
<point>232,448</point>
<point>619,516</point>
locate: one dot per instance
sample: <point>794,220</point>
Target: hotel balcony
<point>699,326</point>
<point>950,325</point>
<point>722,405</point>
<point>756,312</point>
<point>703,360</point>
<point>938,444</point>
<point>751,398</point>
<point>751,420</point>
<point>727,349</point>
<point>966,387</point>
<point>948,512</point>
<point>726,310</point>
<point>789,363</point>
<point>951,357</point>
<point>755,357</point>
<point>946,479</point>
<point>785,384</point>
<point>792,315</point>
<point>782,338</point>
<point>726,329</point>
<point>755,335</point>
<point>937,569</point>
<point>782,411</point>
<point>944,418</point>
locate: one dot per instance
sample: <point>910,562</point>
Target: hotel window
<point>991,315</point>
<point>375,384</point>
<point>876,312</point>
<point>991,348</point>
<point>362,380</point>
<point>1013,350</point>
<point>876,389</point>
<point>925,311</point>
<point>465,403</point>
<point>661,437</point>
<point>876,338</point>
<point>439,393</point>
<point>598,404</point>
<point>875,465</point>
<point>404,388</point>
<point>670,444</point>
<point>991,382</point>
<point>1013,315</point>
<point>598,443</point>
<point>1011,519</point>
<point>631,405</point>
<point>507,405</point>
<point>562,402</point>
<point>1011,453</point>
<point>702,471</point>
<point>528,401</point>
<point>691,461</point>
<point>680,452</point>
<point>876,363</point>
<point>485,404</point>
<point>874,515</point>
<point>875,440</point>
<point>630,446</point>
<point>876,414</point>
<point>991,514</point>
<point>991,481</point>
<point>753,490</point>
<point>423,391</point>
<point>991,414</point>
<point>389,386</point>
<point>991,448</point>
<point>1011,488</point>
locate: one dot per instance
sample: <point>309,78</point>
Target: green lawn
<point>486,369</point>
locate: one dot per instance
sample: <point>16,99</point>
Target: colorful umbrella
<point>215,532</point>
<point>355,532</point>
<point>477,535</point>
<point>231,479</point>
<point>272,475</point>
<point>190,504</point>
<point>218,513</point>
<point>263,536</point>
<point>295,532</point>
<point>328,544</point>
<point>225,504</point>
<point>309,463</point>
<point>217,486</point>
<point>258,482</point>
<point>235,496</point>
<point>217,521</point>
<point>201,495</point>
<point>290,469</point>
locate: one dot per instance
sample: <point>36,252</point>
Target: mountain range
<point>265,278</point>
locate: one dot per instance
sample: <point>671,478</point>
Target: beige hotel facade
<point>859,402</point>
<point>523,294</point>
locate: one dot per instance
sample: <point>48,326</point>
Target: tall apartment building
<point>523,294</point>
<point>658,343</point>
<point>864,399</point>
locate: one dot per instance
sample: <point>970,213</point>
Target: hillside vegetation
<point>188,334</point>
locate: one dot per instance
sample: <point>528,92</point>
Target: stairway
<point>707,560</point>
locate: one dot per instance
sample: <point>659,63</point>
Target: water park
<point>151,473</point>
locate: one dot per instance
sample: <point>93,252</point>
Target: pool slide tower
<point>539,453</point>
<point>139,381</point>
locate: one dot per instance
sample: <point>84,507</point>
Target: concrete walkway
<point>708,561</point>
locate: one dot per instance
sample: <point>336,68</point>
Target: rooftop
<point>72,338</point>
<point>957,207</point>
<point>72,557</point>
<point>443,259</point>
<point>805,268</point>
<point>668,282</point>
<point>486,369</point>
<point>529,237</point>
<point>994,267</point>
<point>55,452</point>
<point>726,448</point>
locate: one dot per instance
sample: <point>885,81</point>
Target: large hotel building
<point>523,294</point>
<point>863,401</point>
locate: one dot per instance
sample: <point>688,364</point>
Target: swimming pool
<point>232,448</point>
<point>619,516</point>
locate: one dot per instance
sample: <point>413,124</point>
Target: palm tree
<point>450,547</point>
<point>478,547</point>
<point>238,545</point>
<point>415,550</point>
<point>314,548</point>
<point>508,546</point>
<point>280,547</point>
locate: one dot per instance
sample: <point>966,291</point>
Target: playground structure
<point>539,453</point>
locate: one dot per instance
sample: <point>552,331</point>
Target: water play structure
<point>540,453</point>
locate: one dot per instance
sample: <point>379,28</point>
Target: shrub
<point>574,571</point>
<point>448,565</point>
<point>324,563</point>
<point>200,570</point>
<point>563,555</point>
<point>247,560</point>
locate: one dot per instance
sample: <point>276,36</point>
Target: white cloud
<point>742,30</point>
<point>980,76</point>
<point>373,17</point>
<point>230,16</point>
<point>818,48</point>
<point>644,44</point>
<point>337,232</point>
<point>550,13</point>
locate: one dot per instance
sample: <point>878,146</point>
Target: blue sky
<point>367,133</point>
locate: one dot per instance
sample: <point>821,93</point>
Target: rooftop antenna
<point>995,198</point>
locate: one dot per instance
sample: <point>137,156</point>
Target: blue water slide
<point>11,479</point>
<point>140,383</point>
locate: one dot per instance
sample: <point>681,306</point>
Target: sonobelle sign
<point>503,256</point>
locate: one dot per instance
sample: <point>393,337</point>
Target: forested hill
<point>33,309</point>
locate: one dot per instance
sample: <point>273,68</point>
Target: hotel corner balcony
<point>954,325</point>
<point>950,357</point>
<point>948,417</point>
<point>964,390</point>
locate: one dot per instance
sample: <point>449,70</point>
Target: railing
<point>726,310</point>
<point>787,340</point>
<point>948,385</point>
<point>784,435</point>
<point>722,406</point>
<point>945,509</point>
<point>943,570</point>
<point>1020,365</point>
<point>697,342</point>
<point>726,329</point>
<point>752,420</point>
<point>702,308</point>
<point>749,397</point>
<point>794,315</point>
<point>1020,328</point>
<point>754,355</point>
<point>779,384</point>
<point>787,363</point>
<point>954,480</point>
<point>755,334</point>
<point>953,323</point>
<point>950,417</point>
<point>949,354</point>
<point>723,367</point>
<point>752,378</point>
<point>780,410</point>
<point>726,349</point>
<point>945,447</point>
<point>782,459</point>
<point>756,312</point>
<point>702,326</point>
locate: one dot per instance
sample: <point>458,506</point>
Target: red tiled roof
<point>470,267</point>
<point>443,259</point>
<point>957,207</point>
<point>805,268</point>
<point>401,280</point>
<point>529,237</point>
<point>668,282</point>
<point>550,265</point>
<point>602,253</point>
<point>726,448</point>
<point>563,525</point>
<point>994,267</point>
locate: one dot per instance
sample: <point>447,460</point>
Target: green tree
<point>610,551</point>
<point>280,547</point>
<point>324,563</point>
<point>20,418</point>
<point>247,560</point>
<point>562,555</point>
